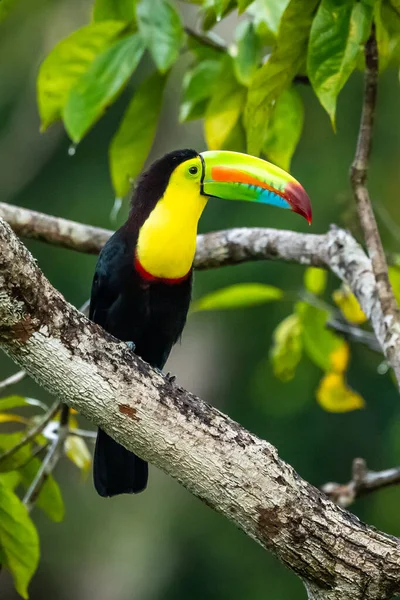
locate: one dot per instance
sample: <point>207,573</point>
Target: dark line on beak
<point>203,174</point>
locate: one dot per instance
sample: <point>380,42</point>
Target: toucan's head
<point>226,175</point>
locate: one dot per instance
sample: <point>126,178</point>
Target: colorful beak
<point>236,176</point>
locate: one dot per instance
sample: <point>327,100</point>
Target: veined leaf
<point>334,395</point>
<point>49,500</point>
<point>349,306</point>
<point>284,129</point>
<point>161,29</point>
<point>198,85</point>
<point>338,34</point>
<point>267,16</point>
<point>277,73</point>
<point>96,89</point>
<point>133,140</point>
<point>77,451</point>
<point>287,348</point>
<point>66,63</point>
<point>19,541</point>
<point>240,295</point>
<point>315,280</point>
<point>119,10</point>
<point>225,107</point>
<point>247,52</point>
<point>319,343</point>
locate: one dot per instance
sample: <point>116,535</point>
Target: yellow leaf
<point>315,280</point>
<point>334,395</point>
<point>340,358</point>
<point>348,305</point>
<point>7,417</point>
<point>77,451</point>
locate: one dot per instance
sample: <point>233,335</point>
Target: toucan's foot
<point>131,346</point>
<point>168,376</point>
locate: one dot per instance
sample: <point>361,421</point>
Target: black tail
<point>116,470</point>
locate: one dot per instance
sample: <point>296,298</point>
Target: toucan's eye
<point>193,170</point>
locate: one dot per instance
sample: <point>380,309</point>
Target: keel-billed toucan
<point>142,284</point>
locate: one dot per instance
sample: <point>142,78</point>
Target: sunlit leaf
<point>394,276</point>
<point>277,73</point>
<point>220,7</point>
<point>266,16</point>
<point>247,52</point>
<point>284,129</point>
<point>338,34</point>
<point>225,107</point>
<point>238,296</point>
<point>315,280</point>
<point>12,402</point>
<point>334,395</point>
<point>49,499</point>
<point>97,88</point>
<point>9,440</point>
<point>77,451</point>
<point>161,29</point>
<point>119,10</point>
<point>66,63</point>
<point>340,358</point>
<point>236,140</point>
<point>198,85</point>
<point>348,305</point>
<point>10,417</point>
<point>243,4</point>
<point>132,142</point>
<point>10,479</point>
<point>287,348</point>
<point>319,343</point>
<point>19,541</point>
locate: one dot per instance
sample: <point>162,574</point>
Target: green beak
<point>236,176</point>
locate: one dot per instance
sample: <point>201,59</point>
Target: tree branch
<point>231,470</point>
<point>363,481</point>
<point>359,173</point>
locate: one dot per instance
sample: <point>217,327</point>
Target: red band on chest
<point>152,279</point>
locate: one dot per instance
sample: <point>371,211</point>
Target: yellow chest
<point>167,240</point>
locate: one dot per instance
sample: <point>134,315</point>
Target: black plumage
<point>151,314</point>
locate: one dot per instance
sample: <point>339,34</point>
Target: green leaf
<point>243,4</point>
<point>236,140</point>
<point>387,21</point>
<point>98,87</point>
<point>267,15</point>
<point>203,51</point>
<point>21,457</point>
<point>315,280</point>
<point>5,7</point>
<point>277,73</point>
<point>67,62</point>
<point>19,541</point>
<point>225,107</point>
<point>338,34</point>
<point>49,499</point>
<point>284,129</point>
<point>132,142</point>
<point>198,85</point>
<point>220,6</point>
<point>161,29</point>
<point>394,276</point>
<point>119,10</point>
<point>77,451</point>
<point>287,348</point>
<point>11,480</point>
<point>247,52</point>
<point>12,402</point>
<point>239,295</point>
<point>319,343</point>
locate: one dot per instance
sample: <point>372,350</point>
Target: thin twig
<point>354,334</point>
<point>32,433</point>
<point>50,460</point>
<point>363,482</point>
<point>359,172</point>
<point>12,380</point>
<point>83,433</point>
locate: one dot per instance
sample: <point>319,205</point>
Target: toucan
<point>143,279</point>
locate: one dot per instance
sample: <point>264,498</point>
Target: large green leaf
<point>387,21</point>
<point>243,4</point>
<point>220,6</point>
<point>277,73</point>
<point>198,85</point>
<point>240,295</point>
<point>287,348</point>
<point>319,343</point>
<point>19,541</point>
<point>338,34</point>
<point>225,107</point>
<point>21,457</point>
<point>161,28</point>
<point>120,10</point>
<point>132,142</point>
<point>284,128</point>
<point>247,55</point>
<point>12,402</point>
<point>97,88</point>
<point>49,499</point>
<point>67,62</point>
<point>267,16</point>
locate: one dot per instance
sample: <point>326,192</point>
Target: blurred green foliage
<point>235,73</point>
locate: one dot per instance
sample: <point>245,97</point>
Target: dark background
<point>165,544</point>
